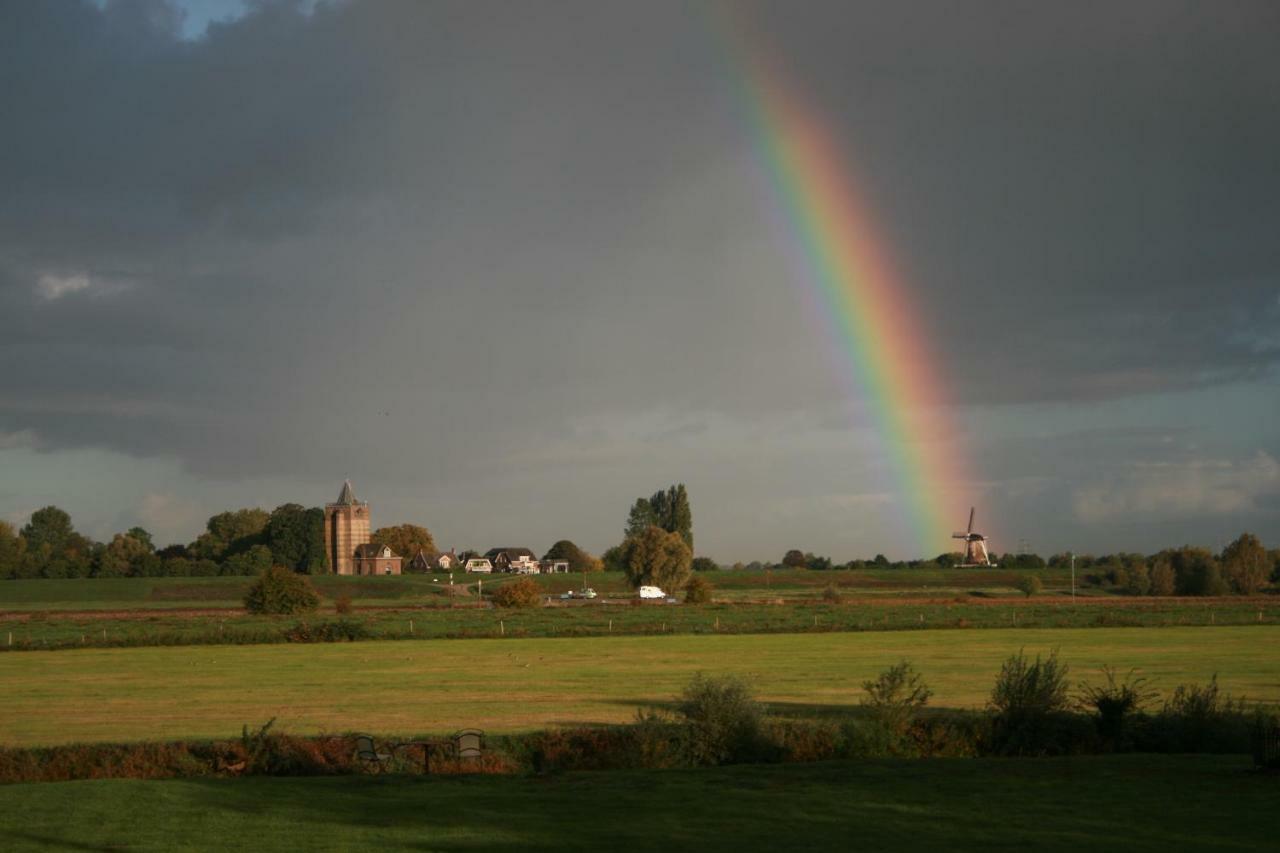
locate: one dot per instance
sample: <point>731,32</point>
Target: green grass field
<point>522,684</point>
<point>43,630</point>
<point>228,592</point>
<point>1130,802</point>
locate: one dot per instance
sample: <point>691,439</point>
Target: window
<point>388,571</point>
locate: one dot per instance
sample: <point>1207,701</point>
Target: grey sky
<point>509,266</point>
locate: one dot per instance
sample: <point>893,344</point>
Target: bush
<point>1265,738</point>
<point>723,722</point>
<point>1027,700</point>
<point>1201,719</point>
<point>1029,585</point>
<point>342,604</point>
<point>831,594</point>
<point>279,590</point>
<point>339,630</point>
<point>1114,703</point>
<point>521,593</point>
<point>895,696</point>
<point>697,591</point>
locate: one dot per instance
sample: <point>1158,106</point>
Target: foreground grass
<point>1134,803</point>
<point>524,684</point>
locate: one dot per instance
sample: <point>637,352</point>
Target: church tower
<point>346,525</point>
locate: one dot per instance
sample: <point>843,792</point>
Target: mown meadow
<point>525,684</point>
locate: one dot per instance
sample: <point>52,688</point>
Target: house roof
<point>371,549</point>
<point>510,552</point>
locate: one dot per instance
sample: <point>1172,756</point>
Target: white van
<point>652,592</point>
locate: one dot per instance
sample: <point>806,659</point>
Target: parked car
<point>652,592</point>
<point>587,592</point>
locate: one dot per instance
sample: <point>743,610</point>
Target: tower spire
<point>347,496</point>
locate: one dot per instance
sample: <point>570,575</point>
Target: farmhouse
<point>424,561</point>
<point>374,559</point>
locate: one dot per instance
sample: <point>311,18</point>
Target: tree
<point>49,527</point>
<point>697,590</point>
<point>281,591</point>
<point>657,558</point>
<point>12,549</point>
<point>1163,580</point>
<point>121,558</point>
<point>142,536</point>
<point>405,539</point>
<point>1196,572</point>
<point>614,559</point>
<point>1028,585</point>
<point>705,564</point>
<point>255,561</point>
<point>524,592</point>
<point>231,532</point>
<point>668,510</point>
<point>579,560</point>
<point>818,564</point>
<point>794,559</point>
<point>640,518</point>
<point>673,513</point>
<point>1246,565</point>
<point>295,536</point>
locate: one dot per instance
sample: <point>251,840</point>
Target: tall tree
<point>231,532</point>
<point>122,557</point>
<point>12,549</point>
<point>672,512</point>
<point>142,536</point>
<point>405,539</point>
<point>657,558</point>
<point>641,518</point>
<point>1246,564</point>
<point>49,527</point>
<point>295,536</point>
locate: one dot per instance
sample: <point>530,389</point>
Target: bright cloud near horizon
<point>509,267</point>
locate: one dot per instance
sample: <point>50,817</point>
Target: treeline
<point>238,542</point>
<point>1244,567</point>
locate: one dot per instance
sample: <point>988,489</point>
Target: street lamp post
<point>1073,576</point>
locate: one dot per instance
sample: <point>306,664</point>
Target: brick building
<point>346,528</point>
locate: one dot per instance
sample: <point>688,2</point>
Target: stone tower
<point>346,525</point>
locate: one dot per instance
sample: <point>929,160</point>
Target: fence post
<point>502,628</point>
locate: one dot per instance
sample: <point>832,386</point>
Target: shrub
<point>697,591</point>
<point>895,696</point>
<point>521,593</point>
<point>1026,700</point>
<point>280,590</point>
<point>1029,585</point>
<point>1139,582</point>
<point>723,721</point>
<point>1201,719</point>
<point>831,594</point>
<point>1265,738</point>
<point>342,604</point>
<point>339,630</point>
<point>1113,703</point>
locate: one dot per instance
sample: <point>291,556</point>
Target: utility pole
<point>1073,576</point>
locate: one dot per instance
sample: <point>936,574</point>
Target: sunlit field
<point>523,684</point>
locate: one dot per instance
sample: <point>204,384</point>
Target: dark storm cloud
<point>454,240</point>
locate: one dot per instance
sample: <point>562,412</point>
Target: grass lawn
<point>520,684</point>
<point>1134,803</point>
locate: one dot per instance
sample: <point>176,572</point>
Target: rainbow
<point>886,361</point>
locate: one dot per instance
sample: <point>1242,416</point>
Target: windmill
<point>975,546</point>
